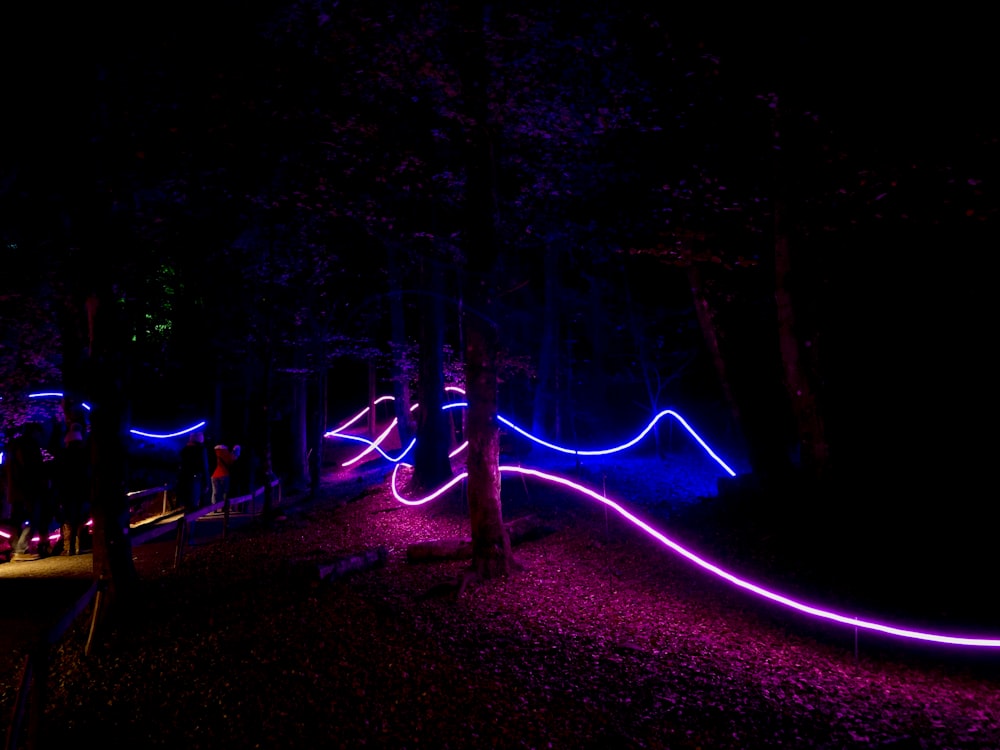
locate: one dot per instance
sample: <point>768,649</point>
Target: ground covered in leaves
<point>603,639</point>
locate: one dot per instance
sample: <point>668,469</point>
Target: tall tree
<point>431,466</point>
<point>106,369</point>
<point>491,549</point>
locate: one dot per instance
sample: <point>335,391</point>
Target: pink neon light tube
<point>373,445</point>
<point>735,580</point>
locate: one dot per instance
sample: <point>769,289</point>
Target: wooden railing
<point>29,703</point>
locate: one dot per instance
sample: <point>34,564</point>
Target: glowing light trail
<point>742,583</point>
<point>623,446</point>
<point>359,416</point>
<point>373,445</point>
<point>162,436</point>
<point>140,433</point>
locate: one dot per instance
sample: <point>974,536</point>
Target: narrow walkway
<point>38,593</point>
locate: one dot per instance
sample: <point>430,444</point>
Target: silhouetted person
<point>73,479</point>
<point>224,460</point>
<point>26,490</point>
<point>193,475</point>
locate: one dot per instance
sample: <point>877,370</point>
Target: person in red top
<point>224,460</point>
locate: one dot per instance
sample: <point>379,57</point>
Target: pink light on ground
<point>427,498</point>
<point>758,590</point>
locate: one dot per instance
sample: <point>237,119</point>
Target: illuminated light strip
<point>624,446</point>
<point>436,494</point>
<point>140,433</point>
<point>360,439</point>
<point>372,445</point>
<point>192,428</point>
<point>760,591</point>
<point>539,441</point>
<point>54,536</point>
<point>358,416</point>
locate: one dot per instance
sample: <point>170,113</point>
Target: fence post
<point>182,536</point>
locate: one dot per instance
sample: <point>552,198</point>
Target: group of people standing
<point>50,488</point>
<point>46,488</point>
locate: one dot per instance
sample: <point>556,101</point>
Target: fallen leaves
<point>603,640</point>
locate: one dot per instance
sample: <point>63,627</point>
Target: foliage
<point>30,356</point>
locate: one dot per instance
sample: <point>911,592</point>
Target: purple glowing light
<point>373,445</point>
<point>735,580</point>
<point>359,416</point>
<point>623,446</point>
<point>140,433</point>
<point>427,498</point>
<point>163,436</point>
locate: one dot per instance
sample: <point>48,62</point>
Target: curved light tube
<point>562,449</point>
<point>742,583</point>
<point>371,445</point>
<point>185,431</point>
<point>360,415</point>
<point>140,433</point>
<point>432,496</point>
<point>623,446</point>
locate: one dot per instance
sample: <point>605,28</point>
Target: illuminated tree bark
<point>106,383</point>
<point>810,433</point>
<point>491,551</point>
<point>813,450</point>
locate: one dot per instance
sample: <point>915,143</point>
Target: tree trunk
<point>397,319</point>
<point>490,542</point>
<point>706,322</point>
<point>300,430</point>
<point>107,375</point>
<point>267,465</point>
<point>811,434</point>
<point>431,465</point>
<point>318,429</point>
<point>372,396</point>
<point>546,391</point>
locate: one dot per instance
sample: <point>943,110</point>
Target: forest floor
<point>603,638</point>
